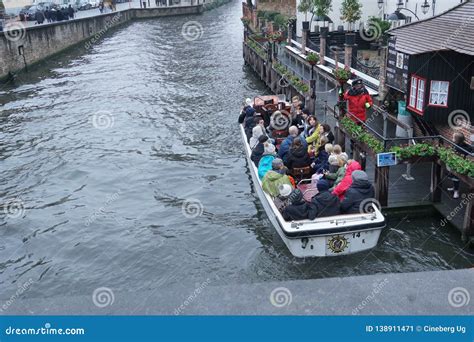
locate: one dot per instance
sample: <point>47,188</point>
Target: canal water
<point>121,167</point>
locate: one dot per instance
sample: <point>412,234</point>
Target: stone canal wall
<point>25,46</point>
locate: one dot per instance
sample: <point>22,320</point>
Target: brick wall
<point>286,7</point>
<point>466,129</point>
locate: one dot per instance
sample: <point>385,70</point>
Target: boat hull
<point>338,235</point>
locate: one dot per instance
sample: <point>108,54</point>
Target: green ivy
<point>455,162</point>
<point>254,46</point>
<point>362,135</point>
<point>418,150</point>
<point>297,82</point>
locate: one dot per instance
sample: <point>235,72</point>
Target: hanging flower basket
<point>342,75</point>
<point>312,58</point>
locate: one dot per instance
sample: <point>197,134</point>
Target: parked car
<point>28,13</point>
<point>84,5</point>
<point>94,3</point>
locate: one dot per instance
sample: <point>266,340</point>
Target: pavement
<point>420,293</point>
<point>95,11</point>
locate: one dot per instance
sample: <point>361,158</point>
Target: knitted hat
<point>296,196</point>
<point>248,102</point>
<point>323,185</point>
<point>285,190</point>
<point>262,139</point>
<point>277,163</point>
<point>269,149</point>
<point>359,175</point>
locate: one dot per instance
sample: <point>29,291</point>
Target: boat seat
<point>307,187</point>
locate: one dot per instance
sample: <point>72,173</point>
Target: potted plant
<point>342,74</point>
<point>312,58</point>
<point>377,31</point>
<point>321,8</point>
<point>351,11</point>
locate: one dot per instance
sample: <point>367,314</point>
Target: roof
<point>450,30</point>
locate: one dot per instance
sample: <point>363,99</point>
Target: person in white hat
<point>282,200</point>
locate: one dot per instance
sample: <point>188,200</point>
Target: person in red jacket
<point>346,182</point>
<point>358,101</point>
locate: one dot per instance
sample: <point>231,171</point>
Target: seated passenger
<point>282,200</point>
<point>313,135</point>
<point>248,104</point>
<point>298,209</point>
<point>257,132</point>
<point>336,177</point>
<point>298,156</point>
<point>337,151</point>
<point>257,151</point>
<point>321,161</point>
<point>325,203</point>
<point>360,190</point>
<point>327,133</point>
<point>265,163</point>
<point>274,178</point>
<point>346,182</point>
<point>286,144</point>
<point>249,122</point>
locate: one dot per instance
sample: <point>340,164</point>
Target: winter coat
<point>299,211</point>
<point>314,140</point>
<point>359,191</point>
<point>265,165</point>
<point>346,182</point>
<point>326,204</point>
<point>356,103</point>
<point>321,162</point>
<point>272,180</point>
<point>285,147</point>
<point>336,176</point>
<point>257,153</point>
<point>298,158</point>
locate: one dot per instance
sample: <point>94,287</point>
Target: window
<point>439,93</point>
<point>417,94</point>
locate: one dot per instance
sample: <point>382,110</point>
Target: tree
<point>351,11</point>
<point>321,8</point>
<point>305,6</point>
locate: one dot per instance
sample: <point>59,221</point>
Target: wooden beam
<point>435,182</point>
<point>468,224</point>
<point>381,184</point>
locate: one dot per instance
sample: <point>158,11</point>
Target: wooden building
<point>431,63</point>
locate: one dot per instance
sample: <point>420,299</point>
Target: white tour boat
<point>326,236</point>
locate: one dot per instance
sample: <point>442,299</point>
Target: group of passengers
<point>305,149</point>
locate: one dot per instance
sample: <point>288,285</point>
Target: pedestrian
<point>47,15</point>
<point>39,16</point>
<point>70,12</point>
